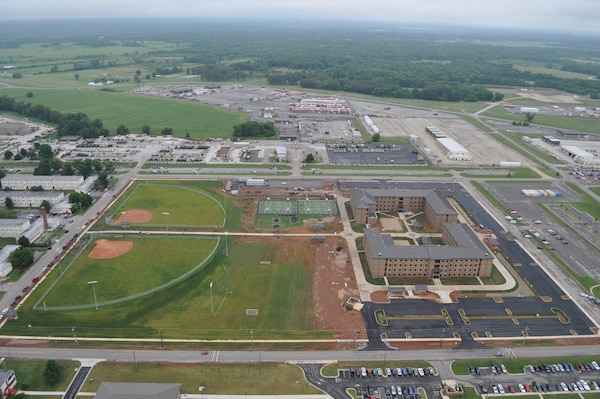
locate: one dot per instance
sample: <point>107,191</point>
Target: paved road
<point>89,356</point>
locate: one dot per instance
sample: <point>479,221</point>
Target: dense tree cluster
<point>77,124</point>
<point>445,64</point>
<point>255,129</point>
<point>52,372</point>
<point>21,258</point>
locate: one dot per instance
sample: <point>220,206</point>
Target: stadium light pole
<point>166,221</point>
<point>93,284</point>
<point>211,301</point>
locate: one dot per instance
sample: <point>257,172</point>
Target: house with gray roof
<point>138,390</point>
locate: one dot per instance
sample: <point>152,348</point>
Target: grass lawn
<point>30,374</point>
<point>187,205</point>
<point>151,263</point>
<point>284,300</point>
<point>133,111</point>
<point>251,379</point>
<point>4,241</point>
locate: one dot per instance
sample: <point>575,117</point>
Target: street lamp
<point>93,284</point>
<point>166,214</point>
<point>211,301</point>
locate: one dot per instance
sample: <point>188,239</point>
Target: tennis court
<point>298,207</point>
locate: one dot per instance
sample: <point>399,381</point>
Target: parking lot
<point>358,153</point>
<point>378,383</point>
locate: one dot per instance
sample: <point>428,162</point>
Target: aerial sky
<point>571,15</point>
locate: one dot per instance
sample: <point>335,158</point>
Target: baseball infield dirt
<point>134,216</point>
<point>106,249</point>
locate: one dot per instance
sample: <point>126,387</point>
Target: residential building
<point>463,255</point>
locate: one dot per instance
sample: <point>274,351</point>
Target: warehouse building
<point>580,155</point>
<point>463,255</point>
<point>367,203</point>
<point>454,150</point>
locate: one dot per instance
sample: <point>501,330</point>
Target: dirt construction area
<point>484,150</point>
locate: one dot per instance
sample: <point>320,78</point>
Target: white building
<point>531,110</point>
<point>281,154</point>
<point>25,182</point>
<point>37,228</point>
<point>580,155</point>
<point>454,150</point>
<point>13,227</point>
<point>32,199</point>
<point>5,265</point>
<point>8,380</point>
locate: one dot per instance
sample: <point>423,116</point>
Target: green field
<point>30,374</point>
<point>134,111</point>
<point>284,301</point>
<point>152,263</point>
<point>251,379</point>
<point>187,204</point>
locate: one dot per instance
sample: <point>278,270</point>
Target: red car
<point>35,280</point>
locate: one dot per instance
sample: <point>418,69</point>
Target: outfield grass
<point>188,205</point>
<point>134,111</point>
<point>30,374</point>
<point>151,263</point>
<point>284,301</point>
<point>233,379</point>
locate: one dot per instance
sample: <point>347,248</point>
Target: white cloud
<point>537,14</point>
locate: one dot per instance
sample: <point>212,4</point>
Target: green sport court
<point>298,207</point>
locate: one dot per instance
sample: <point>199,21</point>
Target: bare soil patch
<point>549,97</point>
<point>106,249</point>
<point>136,216</point>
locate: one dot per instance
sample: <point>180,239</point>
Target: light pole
<point>93,284</point>
<point>166,214</point>
<point>226,248</point>
<point>211,302</point>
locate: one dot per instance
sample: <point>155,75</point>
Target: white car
<point>537,221</point>
<point>4,311</point>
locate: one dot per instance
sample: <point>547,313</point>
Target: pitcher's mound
<point>106,249</point>
<point>134,216</point>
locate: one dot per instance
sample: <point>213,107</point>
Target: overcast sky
<point>574,15</point>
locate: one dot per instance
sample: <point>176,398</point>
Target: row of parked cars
<point>392,372</point>
<point>565,367</point>
<point>403,392</point>
<point>500,389</point>
<point>576,386</point>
